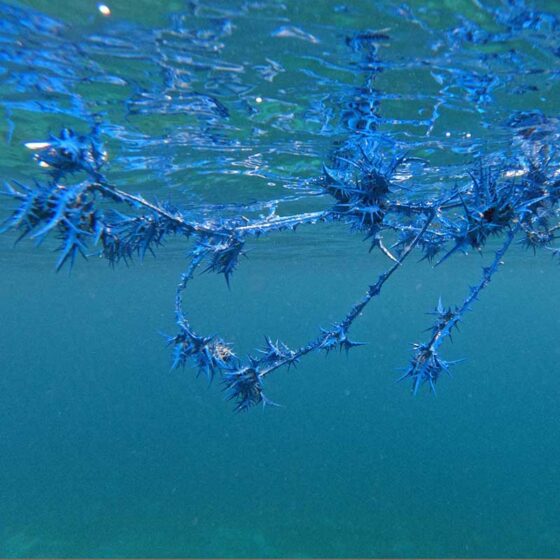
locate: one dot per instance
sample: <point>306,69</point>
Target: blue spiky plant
<point>514,200</point>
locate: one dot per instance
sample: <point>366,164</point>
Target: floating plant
<point>513,200</point>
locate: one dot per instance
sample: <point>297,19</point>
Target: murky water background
<point>105,452</point>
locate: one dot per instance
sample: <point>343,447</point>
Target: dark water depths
<point>105,452</point>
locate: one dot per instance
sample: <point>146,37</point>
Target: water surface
<point>106,452</point>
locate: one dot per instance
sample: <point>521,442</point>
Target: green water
<point>106,452</point>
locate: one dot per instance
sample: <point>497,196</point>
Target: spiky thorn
<point>70,152</point>
<point>338,336</point>
<point>426,366</point>
<point>224,255</point>
<point>244,385</point>
<point>276,351</point>
<point>444,315</point>
<point>68,213</point>
<point>535,239</point>
<point>209,354</point>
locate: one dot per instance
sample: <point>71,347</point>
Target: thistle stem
<point>373,290</point>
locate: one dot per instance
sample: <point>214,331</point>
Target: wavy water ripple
<point>192,102</point>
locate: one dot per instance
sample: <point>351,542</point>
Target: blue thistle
<point>209,354</point>
<point>66,211</point>
<point>361,179</point>
<point>224,255</point>
<point>244,386</point>
<point>70,152</point>
<point>426,367</point>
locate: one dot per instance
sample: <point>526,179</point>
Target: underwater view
<point>280,278</point>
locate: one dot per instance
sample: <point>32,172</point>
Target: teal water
<point>106,452</point>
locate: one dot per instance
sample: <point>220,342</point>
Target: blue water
<point>106,452</point>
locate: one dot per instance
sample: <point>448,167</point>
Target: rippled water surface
<point>231,109</point>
